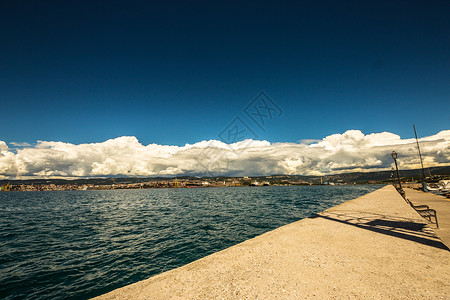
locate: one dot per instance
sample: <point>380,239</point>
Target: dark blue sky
<point>180,72</point>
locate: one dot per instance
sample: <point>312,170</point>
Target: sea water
<point>80,244</point>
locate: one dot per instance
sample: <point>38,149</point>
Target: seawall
<point>372,247</point>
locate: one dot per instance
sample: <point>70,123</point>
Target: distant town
<point>383,177</point>
<point>152,184</point>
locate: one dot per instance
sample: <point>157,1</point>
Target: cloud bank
<point>126,156</point>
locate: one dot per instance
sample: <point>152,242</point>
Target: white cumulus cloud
<point>126,156</point>
<point>22,144</point>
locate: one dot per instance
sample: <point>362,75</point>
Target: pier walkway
<point>372,247</point>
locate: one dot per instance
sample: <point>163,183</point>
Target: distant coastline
<point>381,177</point>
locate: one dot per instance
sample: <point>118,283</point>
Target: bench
<point>425,212</point>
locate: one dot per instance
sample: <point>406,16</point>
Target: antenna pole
<point>420,154</point>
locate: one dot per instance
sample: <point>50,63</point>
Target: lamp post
<point>400,189</point>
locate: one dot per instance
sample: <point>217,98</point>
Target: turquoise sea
<point>80,244</point>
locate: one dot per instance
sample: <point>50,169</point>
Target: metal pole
<point>400,190</point>
<point>398,174</point>
<point>420,154</point>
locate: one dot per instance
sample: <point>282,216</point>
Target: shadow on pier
<point>407,229</point>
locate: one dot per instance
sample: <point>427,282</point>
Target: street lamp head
<point>394,155</point>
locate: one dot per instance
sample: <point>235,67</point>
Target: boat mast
<point>420,154</point>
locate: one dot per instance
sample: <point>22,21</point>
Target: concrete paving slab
<point>372,247</point>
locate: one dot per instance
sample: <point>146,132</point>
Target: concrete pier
<point>372,247</point>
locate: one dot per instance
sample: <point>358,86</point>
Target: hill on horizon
<point>353,177</point>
